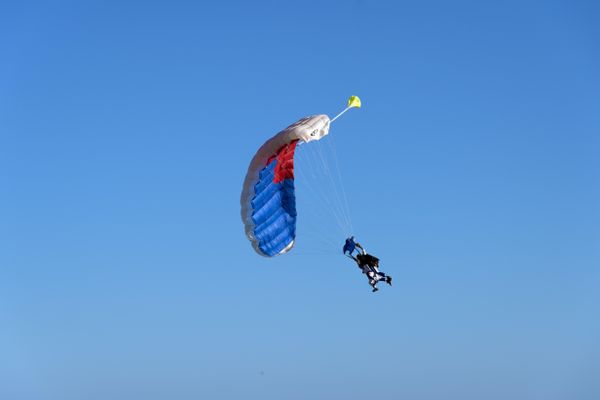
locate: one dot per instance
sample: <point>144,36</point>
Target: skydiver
<point>352,245</point>
<point>368,264</point>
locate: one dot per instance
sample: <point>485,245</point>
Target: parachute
<point>268,201</point>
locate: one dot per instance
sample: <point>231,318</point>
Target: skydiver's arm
<point>362,249</point>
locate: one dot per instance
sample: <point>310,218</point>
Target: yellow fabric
<point>354,101</point>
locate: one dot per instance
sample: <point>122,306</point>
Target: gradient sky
<point>125,132</point>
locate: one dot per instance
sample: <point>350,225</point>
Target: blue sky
<point>125,132</point>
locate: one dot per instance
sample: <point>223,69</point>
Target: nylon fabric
<point>268,199</point>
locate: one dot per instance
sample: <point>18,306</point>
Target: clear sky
<point>125,132</point>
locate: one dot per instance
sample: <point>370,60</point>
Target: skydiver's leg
<point>388,280</point>
<point>372,280</point>
<point>374,286</point>
<point>377,276</point>
<point>383,277</point>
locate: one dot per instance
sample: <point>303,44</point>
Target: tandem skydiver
<point>368,264</point>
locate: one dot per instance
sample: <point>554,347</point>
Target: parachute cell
<point>268,200</point>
